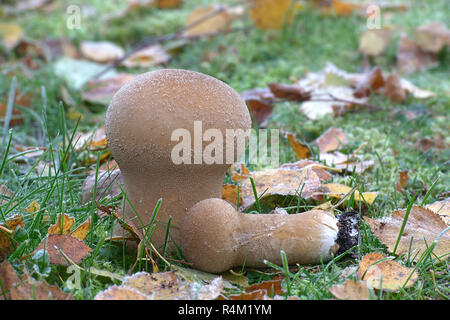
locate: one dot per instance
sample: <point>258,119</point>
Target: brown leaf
<point>402,181</point>
<point>5,194</point>
<point>330,140</point>
<point>101,91</point>
<point>260,111</point>
<point>147,57</point>
<point>71,248</point>
<point>27,288</point>
<point>432,37</point>
<point>442,208</point>
<point>163,286</point>
<point>101,51</point>
<point>422,228</point>
<point>387,274</point>
<point>6,232</point>
<point>107,185</point>
<point>120,293</point>
<point>393,89</point>
<point>271,14</point>
<point>238,172</point>
<point>373,81</point>
<point>168,4</point>
<point>301,150</point>
<point>317,167</point>
<point>290,92</point>
<point>23,100</point>
<point>349,163</point>
<point>351,290</point>
<point>411,58</point>
<point>62,226</point>
<point>280,182</point>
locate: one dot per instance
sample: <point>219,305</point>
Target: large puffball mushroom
<point>216,237</point>
<point>149,123</point>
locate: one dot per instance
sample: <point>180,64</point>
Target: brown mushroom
<point>216,237</point>
<point>141,128</point>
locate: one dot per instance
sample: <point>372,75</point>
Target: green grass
<point>244,60</point>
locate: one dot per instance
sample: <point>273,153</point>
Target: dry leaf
<point>386,274</point>
<point>271,14</point>
<point>291,92</point>
<point>92,141</point>
<point>415,91</point>
<point>107,185</point>
<point>163,286</point>
<point>432,37</point>
<point>120,293</point>
<point>208,20</point>
<point>71,247</point>
<point>411,58</point>
<point>442,208</point>
<point>393,88</point>
<point>349,163</point>
<point>82,230</point>
<point>6,195</point>
<point>101,91</point>
<point>101,51</point>
<point>374,42</point>
<point>10,34</point>
<point>27,288</point>
<point>147,57</point>
<point>373,81</point>
<point>280,182</point>
<point>330,140</point>
<point>23,100</point>
<point>317,167</point>
<point>238,172</point>
<point>62,226</point>
<point>351,290</point>
<point>168,4</point>
<point>343,8</point>
<point>422,228</point>
<point>260,111</point>
<point>6,232</point>
<point>230,193</point>
<point>338,191</point>
<point>301,150</point>
<point>402,181</point>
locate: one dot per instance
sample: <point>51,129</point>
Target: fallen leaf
<point>280,182</point>
<point>230,193</point>
<point>93,141</point>
<point>374,42</point>
<point>432,37</point>
<point>101,51</point>
<point>393,88</point>
<point>422,228</point>
<point>271,14</point>
<point>411,58</point>
<point>238,172</point>
<point>373,81</point>
<point>70,247</point>
<point>260,111</point>
<point>416,92</point>
<point>343,8</point>
<point>207,20</point>
<point>301,150</point>
<point>317,167</point>
<point>260,290</point>
<point>168,4</point>
<point>33,207</point>
<point>330,140</point>
<point>6,195</point>
<point>386,274</point>
<point>10,34</point>
<point>102,91</point>
<point>26,287</point>
<point>147,57</point>
<point>120,293</point>
<point>338,191</point>
<point>351,290</point>
<point>107,185</point>
<point>402,181</point>
<point>23,100</point>
<point>442,208</point>
<point>291,92</point>
<point>6,233</point>
<point>349,163</point>
<point>62,226</point>
<point>82,230</point>
<point>163,286</point>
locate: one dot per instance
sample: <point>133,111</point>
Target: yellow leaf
<point>301,150</point>
<point>207,20</point>
<point>351,290</point>
<point>62,226</point>
<point>33,207</point>
<point>271,14</point>
<point>229,193</point>
<point>385,274</point>
<point>10,34</point>
<point>82,230</point>
<point>338,191</point>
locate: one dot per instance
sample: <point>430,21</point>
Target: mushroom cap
<point>208,235</point>
<point>147,109</point>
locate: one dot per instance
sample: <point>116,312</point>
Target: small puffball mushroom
<point>216,237</point>
<point>147,119</point>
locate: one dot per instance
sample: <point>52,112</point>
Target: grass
<point>244,60</point>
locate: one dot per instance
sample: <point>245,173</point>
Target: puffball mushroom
<point>145,122</point>
<point>216,237</point>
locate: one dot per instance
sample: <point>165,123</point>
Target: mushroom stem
<point>216,237</point>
